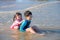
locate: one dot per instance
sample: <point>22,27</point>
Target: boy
<point>24,27</point>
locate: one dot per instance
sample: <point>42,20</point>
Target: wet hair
<point>17,13</point>
<point>27,13</point>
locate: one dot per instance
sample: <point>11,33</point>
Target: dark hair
<point>17,13</point>
<point>27,13</point>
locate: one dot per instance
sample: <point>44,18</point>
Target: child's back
<point>16,24</point>
<point>25,24</point>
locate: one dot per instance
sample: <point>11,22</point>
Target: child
<point>25,24</point>
<point>24,27</point>
<point>17,20</point>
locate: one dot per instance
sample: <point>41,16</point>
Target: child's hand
<point>20,22</point>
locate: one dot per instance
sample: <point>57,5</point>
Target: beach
<point>46,16</point>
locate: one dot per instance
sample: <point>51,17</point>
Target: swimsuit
<point>24,25</point>
<point>16,23</point>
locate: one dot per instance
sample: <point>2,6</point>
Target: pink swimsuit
<point>16,23</point>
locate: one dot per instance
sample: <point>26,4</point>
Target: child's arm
<point>20,22</point>
<point>13,25</point>
<point>22,26</point>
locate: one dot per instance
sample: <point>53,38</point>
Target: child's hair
<point>17,13</point>
<point>27,13</point>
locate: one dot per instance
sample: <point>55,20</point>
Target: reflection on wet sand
<point>16,35</point>
<point>24,36</point>
<point>20,36</point>
<point>8,34</point>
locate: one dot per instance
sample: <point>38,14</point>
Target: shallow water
<point>46,16</point>
<point>50,34</point>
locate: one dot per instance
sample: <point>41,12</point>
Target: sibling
<point>24,27</point>
<point>17,20</point>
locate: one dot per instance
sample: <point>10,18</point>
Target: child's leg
<point>33,30</point>
<point>30,30</point>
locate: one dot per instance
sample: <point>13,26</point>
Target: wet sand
<point>7,34</point>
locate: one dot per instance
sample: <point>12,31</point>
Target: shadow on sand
<point>46,31</point>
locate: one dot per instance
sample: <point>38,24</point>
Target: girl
<point>17,20</point>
